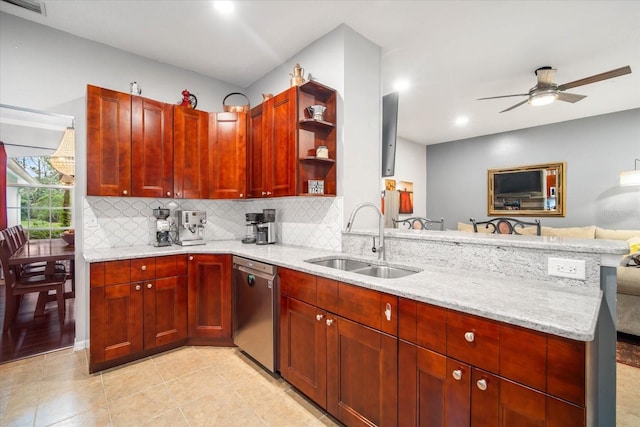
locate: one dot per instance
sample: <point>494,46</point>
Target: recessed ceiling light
<point>401,84</point>
<point>225,7</point>
<point>462,121</point>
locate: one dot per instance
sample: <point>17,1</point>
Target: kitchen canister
<point>322,152</point>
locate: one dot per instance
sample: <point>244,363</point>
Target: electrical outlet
<point>572,268</point>
<point>92,221</point>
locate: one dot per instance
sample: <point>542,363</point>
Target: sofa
<point>628,273</point>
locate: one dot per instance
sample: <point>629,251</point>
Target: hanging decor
<point>64,159</point>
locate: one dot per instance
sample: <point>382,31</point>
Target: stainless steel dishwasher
<point>254,310</point>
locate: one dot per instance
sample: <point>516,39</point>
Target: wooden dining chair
<point>15,242</point>
<point>418,223</point>
<point>16,287</point>
<point>507,225</point>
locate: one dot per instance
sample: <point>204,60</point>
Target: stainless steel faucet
<point>378,249</point>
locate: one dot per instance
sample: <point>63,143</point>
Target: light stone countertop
<point>538,305</point>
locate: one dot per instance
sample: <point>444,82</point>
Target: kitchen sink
<point>366,268</point>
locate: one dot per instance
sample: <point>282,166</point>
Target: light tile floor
<point>191,386</point>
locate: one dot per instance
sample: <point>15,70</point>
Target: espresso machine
<point>266,229</point>
<point>252,220</point>
<point>191,227</point>
<point>163,227</point>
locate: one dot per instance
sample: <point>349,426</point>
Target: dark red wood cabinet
<point>228,155</point>
<point>210,299</point>
<point>108,142</point>
<point>136,306</point>
<point>190,153</point>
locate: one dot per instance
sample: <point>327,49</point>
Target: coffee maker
<point>252,220</point>
<point>191,227</point>
<point>266,229</point>
<point>163,227</point>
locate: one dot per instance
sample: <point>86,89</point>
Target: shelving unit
<point>313,134</point>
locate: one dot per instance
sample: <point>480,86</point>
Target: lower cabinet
<point>344,366</point>
<point>136,306</point>
<point>209,300</point>
<point>436,389</point>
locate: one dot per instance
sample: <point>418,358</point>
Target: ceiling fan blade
<point>545,76</point>
<point>596,78</point>
<point>503,96</point>
<point>514,106</point>
<point>570,97</point>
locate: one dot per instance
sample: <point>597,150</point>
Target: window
<point>37,199</point>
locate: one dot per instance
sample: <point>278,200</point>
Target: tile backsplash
<point>315,222</point>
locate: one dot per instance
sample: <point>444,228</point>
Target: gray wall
<point>595,149</point>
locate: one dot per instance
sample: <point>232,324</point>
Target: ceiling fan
<point>546,91</point>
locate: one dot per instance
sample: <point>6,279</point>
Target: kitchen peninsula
<point>497,282</point>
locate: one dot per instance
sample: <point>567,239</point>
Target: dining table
<point>49,251</point>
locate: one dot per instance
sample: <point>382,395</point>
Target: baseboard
<point>80,345</point>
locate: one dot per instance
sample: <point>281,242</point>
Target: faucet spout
<point>380,250</point>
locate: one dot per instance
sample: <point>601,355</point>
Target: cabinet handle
<point>469,336</point>
<point>319,317</point>
<point>190,257</point>
<point>482,384</point>
<point>125,192</point>
<point>138,287</point>
<point>143,268</point>
<point>241,195</point>
<point>268,193</point>
<point>178,194</point>
<point>457,374</point>
<point>264,193</point>
<point>329,322</point>
<point>169,193</point>
<point>149,286</point>
<point>387,312</point>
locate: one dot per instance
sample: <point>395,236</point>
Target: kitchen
<point>226,219</point>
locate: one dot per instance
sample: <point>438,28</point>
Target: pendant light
<point>64,159</point>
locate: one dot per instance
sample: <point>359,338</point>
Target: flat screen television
<point>518,182</point>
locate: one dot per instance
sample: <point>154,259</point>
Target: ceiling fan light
<point>543,98</point>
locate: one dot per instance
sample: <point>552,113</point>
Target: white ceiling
<point>453,52</point>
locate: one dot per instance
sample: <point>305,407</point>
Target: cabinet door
<point>151,148</point>
<point>228,155</point>
<point>190,153</point>
<point>165,311</point>
<point>108,142</point>
<point>281,167</point>
<point>257,150</point>
<point>361,374</point>
<point>116,321</point>
<point>209,298</point>
<point>303,348</point>
<point>433,390</point>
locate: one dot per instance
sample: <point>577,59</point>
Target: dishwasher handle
<point>252,274</point>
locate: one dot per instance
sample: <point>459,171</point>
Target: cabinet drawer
<point>327,294</point>
<point>368,307</point>
<point>172,265</point>
<point>298,285</point>
<point>423,324</point>
<point>473,340</point>
<point>143,269</point>
<point>109,273</point>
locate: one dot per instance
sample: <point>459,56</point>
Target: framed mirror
<point>536,190</point>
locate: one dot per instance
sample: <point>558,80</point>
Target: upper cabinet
<point>151,148</point>
<point>272,149</point>
<point>108,142</point>
<point>316,130</point>
<point>139,147</point>
<point>228,155</point>
<point>190,151</point>
<point>129,145</point>
<point>292,143</point>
